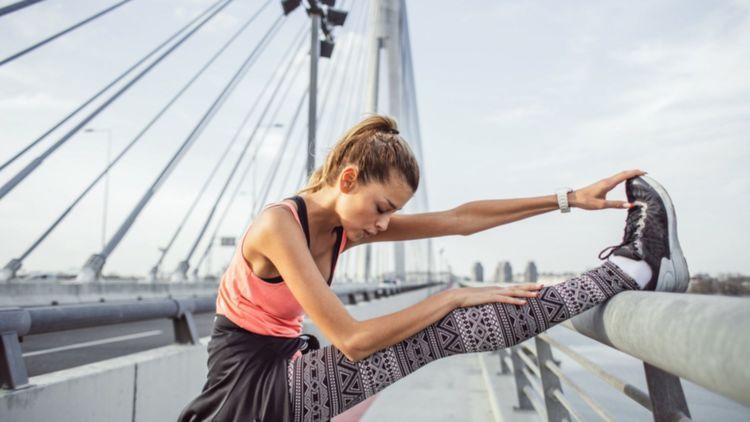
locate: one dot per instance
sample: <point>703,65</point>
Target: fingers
<point>511,300</point>
<point>529,286</point>
<point>617,204</point>
<point>625,175</point>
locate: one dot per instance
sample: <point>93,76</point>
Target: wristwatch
<point>562,199</point>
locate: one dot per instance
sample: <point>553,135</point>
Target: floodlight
<point>290,5</point>
<point>336,17</point>
<point>326,48</point>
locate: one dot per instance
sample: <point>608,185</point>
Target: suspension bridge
<point>198,126</point>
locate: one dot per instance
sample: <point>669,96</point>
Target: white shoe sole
<point>673,272</point>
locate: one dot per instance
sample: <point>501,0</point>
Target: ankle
<point>638,270</point>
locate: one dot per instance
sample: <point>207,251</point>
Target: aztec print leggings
<point>324,383</point>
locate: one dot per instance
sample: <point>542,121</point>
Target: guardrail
<point>16,322</point>
<point>704,339</point>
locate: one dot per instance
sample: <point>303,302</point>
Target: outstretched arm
<point>473,217</point>
<point>284,244</point>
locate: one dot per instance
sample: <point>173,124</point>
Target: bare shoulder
<point>274,225</point>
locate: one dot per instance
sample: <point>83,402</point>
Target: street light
<point>318,48</point>
<point>106,178</point>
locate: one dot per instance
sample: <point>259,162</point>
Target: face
<point>366,210</point>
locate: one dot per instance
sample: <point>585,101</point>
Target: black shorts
<point>247,376</point>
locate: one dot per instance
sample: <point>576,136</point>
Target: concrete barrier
<point>154,385</point>
<point>148,386</point>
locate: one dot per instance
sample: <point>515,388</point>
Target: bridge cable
<point>109,85</point>
<point>299,44</point>
<point>270,178</point>
<point>247,116</point>
<point>17,6</point>
<point>273,169</point>
<point>97,260</point>
<point>14,264</point>
<point>184,265</point>
<point>61,33</point>
<point>12,183</point>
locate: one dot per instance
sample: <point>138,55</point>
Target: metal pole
<point>312,115</point>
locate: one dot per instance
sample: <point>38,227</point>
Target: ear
<point>348,179</point>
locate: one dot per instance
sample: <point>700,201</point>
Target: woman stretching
<point>284,265</point>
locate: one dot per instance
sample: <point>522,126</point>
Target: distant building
<point>478,271</point>
<point>531,275</point>
<point>503,272</point>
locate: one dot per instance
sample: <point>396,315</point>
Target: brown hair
<point>375,147</point>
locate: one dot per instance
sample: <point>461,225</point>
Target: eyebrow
<point>391,204</point>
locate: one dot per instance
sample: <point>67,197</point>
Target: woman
<point>284,265</point>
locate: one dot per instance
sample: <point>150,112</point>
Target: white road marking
<point>94,343</point>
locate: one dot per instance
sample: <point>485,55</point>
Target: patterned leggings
<point>324,383</point>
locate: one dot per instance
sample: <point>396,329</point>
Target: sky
<point>516,99</point>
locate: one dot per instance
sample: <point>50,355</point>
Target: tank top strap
<point>300,213</point>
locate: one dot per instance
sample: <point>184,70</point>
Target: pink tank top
<point>257,305</point>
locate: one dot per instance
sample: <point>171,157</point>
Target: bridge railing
<point>704,339</point>
<point>17,322</point>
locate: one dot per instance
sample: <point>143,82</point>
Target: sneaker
<point>651,235</point>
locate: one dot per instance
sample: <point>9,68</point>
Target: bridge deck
<point>450,389</point>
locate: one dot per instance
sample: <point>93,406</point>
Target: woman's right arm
<point>279,238</point>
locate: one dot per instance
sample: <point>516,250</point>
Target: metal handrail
<point>16,322</point>
<point>596,407</point>
<point>629,390</point>
<point>695,337</point>
<point>700,338</point>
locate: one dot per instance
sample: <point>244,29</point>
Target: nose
<point>382,223</point>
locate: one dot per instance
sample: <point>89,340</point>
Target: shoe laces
<point>634,224</point>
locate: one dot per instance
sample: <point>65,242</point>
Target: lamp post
<point>106,178</point>
<point>321,18</point>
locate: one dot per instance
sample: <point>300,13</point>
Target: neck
<point>321,211</point>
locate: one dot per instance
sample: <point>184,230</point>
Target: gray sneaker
<point>651,235</point>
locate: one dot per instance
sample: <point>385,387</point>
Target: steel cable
<point>180,153</point>
<point>61,33</point>
<point>17,6</point>
<point>109,85</point>
<point>12,183</point>
<point>133,142</point>
<point>247,116</point>
<point>244,150</point>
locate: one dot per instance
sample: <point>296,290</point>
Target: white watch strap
<point>562,199</point>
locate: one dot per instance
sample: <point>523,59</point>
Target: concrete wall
<point>154,385</point>
<point>148,386</point>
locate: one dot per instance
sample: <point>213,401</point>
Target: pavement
<point>458,388</point>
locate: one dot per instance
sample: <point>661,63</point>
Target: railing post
<point>504,368</point>
<point>185,331</point>
<point>521,382</point>
<point>13,372</point>
<point>667,398</point>
<point>556,412</point>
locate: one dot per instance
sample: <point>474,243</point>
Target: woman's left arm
<point>476,216</point>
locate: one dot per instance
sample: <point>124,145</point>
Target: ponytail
<point>375,147</point>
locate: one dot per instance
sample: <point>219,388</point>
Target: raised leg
<point>324,383</point>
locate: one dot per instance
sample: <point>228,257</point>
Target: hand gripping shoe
<point>651,235</point>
